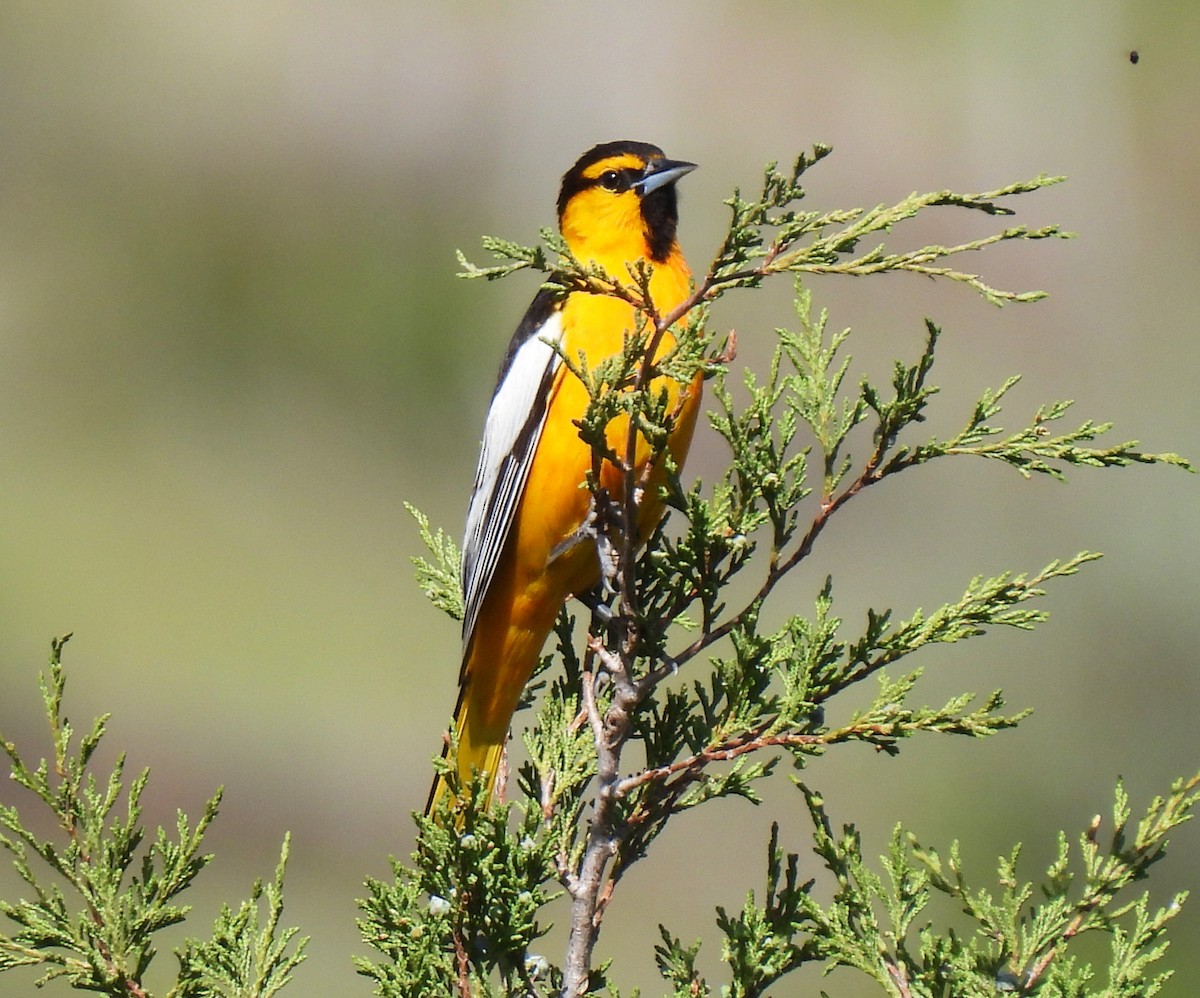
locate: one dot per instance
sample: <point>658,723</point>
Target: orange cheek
<point>606,229</point>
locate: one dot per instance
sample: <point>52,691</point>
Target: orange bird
<point>524,554</point>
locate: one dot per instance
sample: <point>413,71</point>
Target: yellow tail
<point>476,754</point>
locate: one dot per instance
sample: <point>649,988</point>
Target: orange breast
<point>556,502</point>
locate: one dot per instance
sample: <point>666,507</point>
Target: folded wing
<point>510,437</point>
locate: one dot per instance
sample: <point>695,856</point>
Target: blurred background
<point>232,343</point>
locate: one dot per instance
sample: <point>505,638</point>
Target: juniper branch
<point>746,257</point>
<point>99,898</point>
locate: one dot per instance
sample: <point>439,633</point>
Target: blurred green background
<point>232,343</point>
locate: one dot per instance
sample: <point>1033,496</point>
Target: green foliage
<point>874,923</point>
<point>244,959</point>
<point>99,898</point>
<point>681,676</point>
<point>833,248</point>
<point>467,911</point>
<point>439,579</point>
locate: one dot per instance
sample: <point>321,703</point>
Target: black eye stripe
<point>617,181</point>
<point>625,151</point>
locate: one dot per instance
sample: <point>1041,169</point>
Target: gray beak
<point>660,173</point>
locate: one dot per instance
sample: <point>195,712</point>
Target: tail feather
<point>500,657</point>
<point>475,756</point>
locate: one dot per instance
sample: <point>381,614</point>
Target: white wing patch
<point>510,438</point>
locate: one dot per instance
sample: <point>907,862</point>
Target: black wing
<point>510,438</point>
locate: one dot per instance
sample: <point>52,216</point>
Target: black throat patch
<point>660,212</point>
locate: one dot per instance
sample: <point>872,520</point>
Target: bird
<point>525,552</point>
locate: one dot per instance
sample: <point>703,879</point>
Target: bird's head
<point>617,204</point>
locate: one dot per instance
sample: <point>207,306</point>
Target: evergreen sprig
<point>248,956</point>
<point>462,920</point>
<point>441,579</point>
<point>1035,449</point>
<point>101,892</point>
<point>803,442</point>
<point>1023,935</point>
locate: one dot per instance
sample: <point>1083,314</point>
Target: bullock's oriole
<point>524,555</point>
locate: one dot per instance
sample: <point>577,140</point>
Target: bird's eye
<point>611,180</point>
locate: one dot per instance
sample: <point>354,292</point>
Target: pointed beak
<point>661,172</point>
